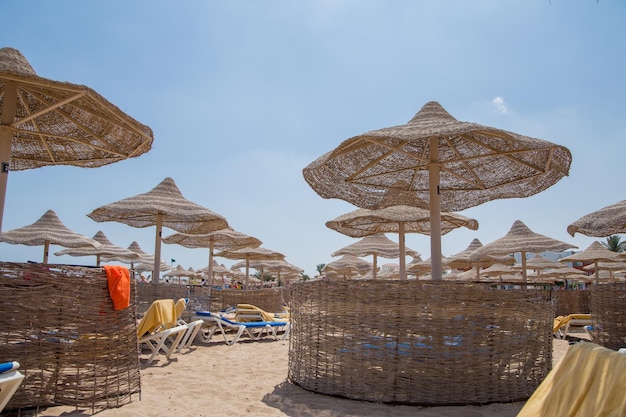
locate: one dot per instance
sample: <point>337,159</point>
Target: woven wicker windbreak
<point>608,315</point>
<point>607,221</point>
<point>58,322</point>
<point>408,342</point>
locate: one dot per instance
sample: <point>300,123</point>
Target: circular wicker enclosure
<point>608,315</point>
<point>410,342</point>
<point>74,349</point>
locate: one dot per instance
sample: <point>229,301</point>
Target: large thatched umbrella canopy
<point>396,219</point>
<point>47,230</point>
<point>440,164</point>
<point>224,239</point>
<point>164,205</point>
<point>376,245</point>
<point>45,122</point>
<point>251,254</point>
<point>107,249</point>
<point>594,253</point>
<point>520,239</point>
<point>607,221</point>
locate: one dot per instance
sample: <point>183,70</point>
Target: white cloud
<point>500,104</point>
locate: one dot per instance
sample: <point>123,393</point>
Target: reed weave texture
<point>58,322</point>
<point>608,315</point>
<point>408,342</point>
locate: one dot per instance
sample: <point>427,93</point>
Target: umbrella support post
<point>435,211</point>
<point>6,139</point>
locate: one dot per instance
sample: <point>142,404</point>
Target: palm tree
<point>320,268</point>
<point>613,243</point>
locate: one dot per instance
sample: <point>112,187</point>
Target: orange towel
<point>118,278</point>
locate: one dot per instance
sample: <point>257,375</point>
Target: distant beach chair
<point>10,380</point>
<point>590,380</point>
<point>562,323</point>
<point>218,323</point>
<point>159,329</point>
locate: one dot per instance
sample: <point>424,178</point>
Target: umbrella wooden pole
<point>435,211</point>
<point>402,250</point>
<point>46,248</point>
<point>595,262</point>
<point>157,249</point>
<point>374,266</point>
<point>247,271</point>
<point>7,117</point>
<point>524,275</point>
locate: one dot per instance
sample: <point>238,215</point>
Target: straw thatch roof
<point>607,221</point>
<point>59,123</point>
<point>47,230</point>
<point>107,248</point>
<point>477,163</point>
<point>364,222</point>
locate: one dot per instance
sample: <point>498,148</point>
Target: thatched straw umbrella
<point>107,249</point>
<point>347,265</point>
<point>164,205</point>
<point>45,122</point>
<point>521,239</point>
<point>47,230</point>
<point>396,219</point>
<point>440,164</point>
<point>250,254</point>
<point>375,245</point>
<point>609,220</point>
<point>594,253</point>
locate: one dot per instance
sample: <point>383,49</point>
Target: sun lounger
<point>193,328</point>
<point>562,323</point>
<point>590,380</point>
<point>10,380</point>
<point>159,329</point>
<point>217,323</point>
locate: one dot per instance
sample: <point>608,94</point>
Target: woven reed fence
<point>608,315</point>
<point>408,342</point>
<point>206,299</point>
<point>569,302</point>
<point>268,299</point>
<point>58,322</point>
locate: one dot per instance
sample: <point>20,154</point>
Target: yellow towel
<point>181,305</point>
<point>160,313</point>
<point>590,380</point>
<point>266,316</point>
<point>561,321</point>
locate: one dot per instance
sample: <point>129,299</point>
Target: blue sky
<point>241,95</point>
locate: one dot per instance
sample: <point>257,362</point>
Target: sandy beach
<point>250,379</point>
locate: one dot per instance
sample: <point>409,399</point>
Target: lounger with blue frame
<point>10,380</point>
<point>216,323</point>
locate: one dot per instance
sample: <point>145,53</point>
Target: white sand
<point>249,379</point>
